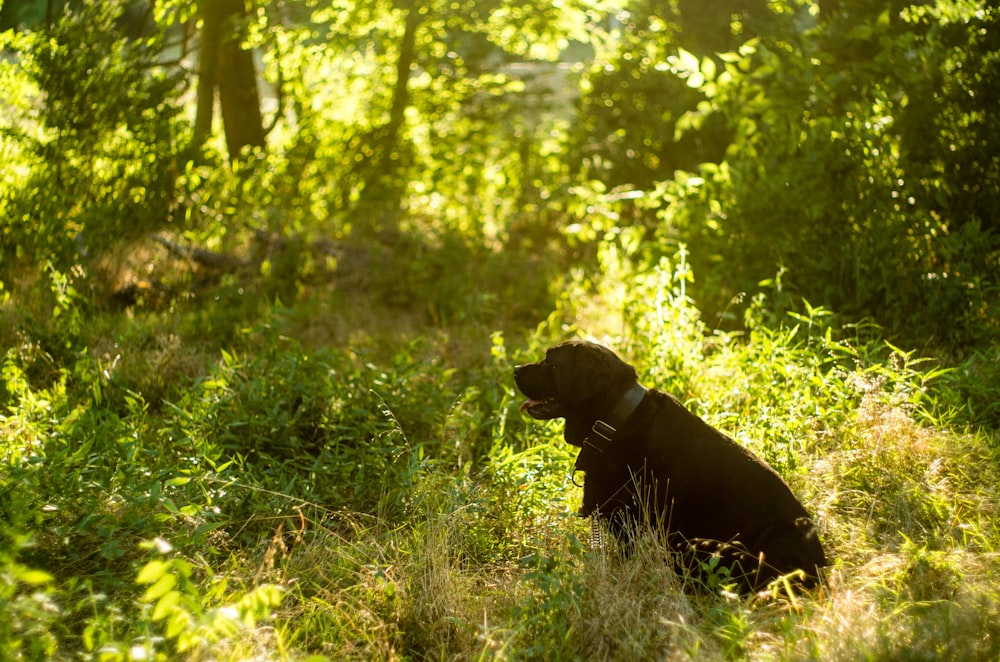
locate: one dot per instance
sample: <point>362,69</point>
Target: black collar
<point>604,429</point>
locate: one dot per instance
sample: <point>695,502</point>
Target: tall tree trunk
<point>401,90</point>
<point>383,188</point>
<point>238,96</point>
<point>224,65</point>
<point>208,67</point>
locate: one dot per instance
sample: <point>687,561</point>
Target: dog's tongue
<point>529,403</point>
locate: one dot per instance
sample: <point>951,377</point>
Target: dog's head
<point>577,379</point>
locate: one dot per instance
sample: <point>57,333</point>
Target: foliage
<point>26,631</point>
<point>824,180</point>
<point>632,99</point>
<point>175,601</point>
<point>96,136</point>
<point>313,426</point>
<point>766,136</point>
<point>284,425</point>
<point>396,499</point>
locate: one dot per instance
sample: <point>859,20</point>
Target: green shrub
<point>828,177</point>
<point>31,614</point>
<point>99,143</point>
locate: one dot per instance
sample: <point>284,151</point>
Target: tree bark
<point>238,96</point>
<point>224,65</point>
<point>401,90</point>
<point>381,185</point>
<point>208,67</point>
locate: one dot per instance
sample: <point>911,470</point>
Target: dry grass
<point>914,576</point>
<point>479,556</point>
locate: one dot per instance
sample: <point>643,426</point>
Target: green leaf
<point>708,68</point>
<point>166,605</point>
<point>33,577</point>
<point>182,567</point>
<point>860,32</point>
<point>165,583</point>
<point>152,572</point>
<point>202,529</point>
<point>688,60</point>
<point>178,622</point>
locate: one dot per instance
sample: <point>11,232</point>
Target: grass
<point>297,483</point>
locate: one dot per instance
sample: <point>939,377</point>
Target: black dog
<point>649,461</point>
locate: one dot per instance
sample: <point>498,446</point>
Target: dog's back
<point>703,486</point>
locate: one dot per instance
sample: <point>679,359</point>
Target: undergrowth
<point>279,498</point>
<point>259,405</point>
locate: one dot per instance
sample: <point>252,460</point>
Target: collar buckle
<point>603,430</point>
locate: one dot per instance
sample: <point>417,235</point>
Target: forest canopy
<point>848,148</point>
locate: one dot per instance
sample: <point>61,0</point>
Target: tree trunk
<point>401,91</point>
<point>227,67</point>
<point>208,67</point>
<point>238,96</point>
<point>382,186</point>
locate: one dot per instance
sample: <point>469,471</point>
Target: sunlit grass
<point>384,481</point>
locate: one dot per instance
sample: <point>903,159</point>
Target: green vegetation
<point>255,368</point>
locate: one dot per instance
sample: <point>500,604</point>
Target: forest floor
<point>323,471</point>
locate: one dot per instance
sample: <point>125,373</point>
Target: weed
<point>405,510</point>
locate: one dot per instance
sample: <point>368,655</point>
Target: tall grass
<point>387,501</point>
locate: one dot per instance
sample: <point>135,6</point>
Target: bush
<point>827,178</point>
<point>98,136</point>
